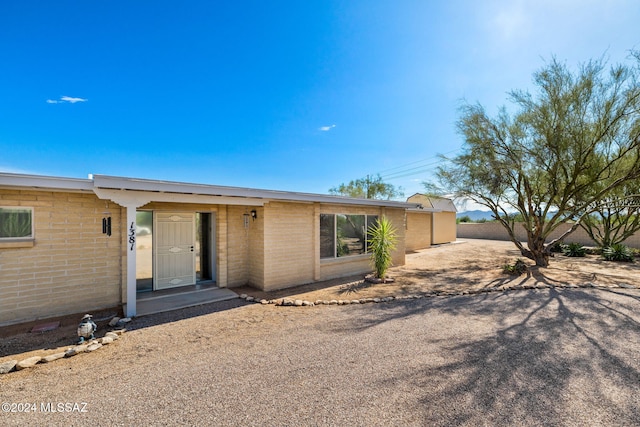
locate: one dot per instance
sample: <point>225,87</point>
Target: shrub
<point>382,241</point>
<point>617,252</point>
<point>574,250</point>
<point>558,247</point>
<point>517,268</point>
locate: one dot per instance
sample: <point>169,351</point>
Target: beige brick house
<point>74,245</point>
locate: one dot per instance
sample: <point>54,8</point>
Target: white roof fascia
<point>117,183</point>
<point>424,209</point>
<point>138,198</point>
<point>12,180</point>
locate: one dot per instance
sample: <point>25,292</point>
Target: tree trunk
<point>537,251</point>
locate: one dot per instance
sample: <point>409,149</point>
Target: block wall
<point>237,248</point>
<point>71,267</point>
<point>289,251</point>
<point>444,227</point>
<point>495,231</point>
<point>418,233</point>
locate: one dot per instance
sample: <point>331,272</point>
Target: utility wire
<point>404,170</point>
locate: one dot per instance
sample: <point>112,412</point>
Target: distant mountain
<point>476,215</point>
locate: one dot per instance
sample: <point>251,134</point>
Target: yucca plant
<point>382,242</point>
<point>617,252</point>
<point>574,250</point>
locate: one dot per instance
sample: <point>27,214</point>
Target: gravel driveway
<point>536,357</point>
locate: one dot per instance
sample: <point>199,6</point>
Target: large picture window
<point>344,235</point>
<point>16,223</point>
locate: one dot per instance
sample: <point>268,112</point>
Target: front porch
<point>182,297</point>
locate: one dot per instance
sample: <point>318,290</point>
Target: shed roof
<point>432,203</point>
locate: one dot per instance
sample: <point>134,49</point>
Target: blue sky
<point>285,95</point>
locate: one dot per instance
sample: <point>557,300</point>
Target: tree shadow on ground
<point>354,287</point>
<point>535,357</point>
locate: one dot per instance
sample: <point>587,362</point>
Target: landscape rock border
<point>291,302</point>
<point>86,347</point>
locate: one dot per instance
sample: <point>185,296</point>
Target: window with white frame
<point>16,223</point>
<point>344,235</point>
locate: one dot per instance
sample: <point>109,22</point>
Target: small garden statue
<point>86,328</point>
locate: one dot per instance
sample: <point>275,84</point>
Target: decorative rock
<point>318,302</point>
<point>243,296</point>
<point>106,340</point>
<point>264,302</point>
<point>8,366</point>
<point>307,304</point>
<point>298,303</point>
<point>333,302</point>
<point>93,347</point>
<point>376,300</point>
<point>626,286</point>
<point>355,301</point>
<point>111,335</point>
<point>52,357</point>
<point>114,321</point>
<point>249,299</point>
<point>75,350</point>
<point>118,331</point>
<point>325,302</point>
<point>125,320</point>
<point>28,363</point>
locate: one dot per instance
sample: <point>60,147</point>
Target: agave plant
<point>574,250</point>
<point>617,252</point>
<point>382,241</point>
<point>517,268</point>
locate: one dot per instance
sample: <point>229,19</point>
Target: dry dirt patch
<point>463,266</point>
<point>466,265</point>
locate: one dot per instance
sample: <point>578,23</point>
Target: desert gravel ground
<point>565,357</point>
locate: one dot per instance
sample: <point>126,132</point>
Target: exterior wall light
<point>254,214</point>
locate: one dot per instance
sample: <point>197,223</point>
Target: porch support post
<point>131,260</point>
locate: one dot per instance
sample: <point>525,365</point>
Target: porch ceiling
<point>141,198</point>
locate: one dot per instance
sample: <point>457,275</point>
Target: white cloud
<point>73,100</point>
<point>65,99</point>
<point>326,128</point>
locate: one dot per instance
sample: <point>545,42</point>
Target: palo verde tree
<point>556,156</point>
<point>368,188</point>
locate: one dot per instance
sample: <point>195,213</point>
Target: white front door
<point>175,263</point>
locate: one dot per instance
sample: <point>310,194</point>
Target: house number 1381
<point>132,236</point>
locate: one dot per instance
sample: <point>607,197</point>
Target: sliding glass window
<point>344,235</point>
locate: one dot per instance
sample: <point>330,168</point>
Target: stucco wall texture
<point>495,231</point>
